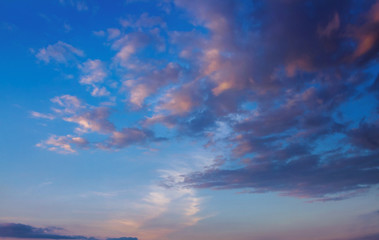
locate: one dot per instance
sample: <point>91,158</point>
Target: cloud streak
<point>18,230</point>
<point>60,52</point>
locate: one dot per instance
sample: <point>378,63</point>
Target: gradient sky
<point>189,119</point>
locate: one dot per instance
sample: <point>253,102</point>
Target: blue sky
<point>180,119</point>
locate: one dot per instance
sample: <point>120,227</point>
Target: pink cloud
<point>60,52</point>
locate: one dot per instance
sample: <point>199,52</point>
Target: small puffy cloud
<point>99,91</point>
<point>69,104</point>
<point>125,52</point>
<point>93,74</point>
<point>63,144</point>
<point>60,52</point>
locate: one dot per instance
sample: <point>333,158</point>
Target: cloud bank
<point>18,230</point>
<point>282,77</point>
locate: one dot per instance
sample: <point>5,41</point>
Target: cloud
<point>95,120</point>
<point>41,115</point>
<point>167,210</point>
<point>60,52</point>
<point>332,26</point>
<point>143,21</point>
<point>304,177</point>
<point>90,119</point>
<point>277,74</point>
<point>179,101</point>
<point>80,5</point>
<point>365,135</point>
<point>69,103</point>
<point>129,136</point>
<point>366,36</point>
<point>113,33</point>
<point>18,230</point>
<point>128,45</point>
<point>365,237</point>
<point>63,144</point>
<point>149,84</point>
<point>285,62</point>
<point>123,238</point>
<point>94,74</point>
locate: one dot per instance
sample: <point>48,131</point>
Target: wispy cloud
<point>63,144</point>
<point>167,210</point>
<point>41,115</point>
<point>80,5</point>
<point>60,52</point>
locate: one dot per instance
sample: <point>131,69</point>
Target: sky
<point>189,119</point>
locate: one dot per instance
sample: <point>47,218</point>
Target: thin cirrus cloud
<point>277,74</point>
<point>60,52</point>
<point>18,230</point>
<point>80,5</point>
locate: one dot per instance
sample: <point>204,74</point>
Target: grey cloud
<point>373,236</point>
<point>123,238</point>
<point>129,136</point>
<point>308,176</point>
<point>18,230</point>
<point>298,62</point>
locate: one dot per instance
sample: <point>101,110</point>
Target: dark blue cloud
<point>18,230</point>
<point>299,63</point>
<point>123,238</point>
<point>374,236</point>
